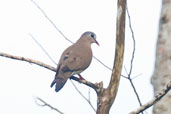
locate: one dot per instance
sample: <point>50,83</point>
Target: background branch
<point>43,49</point>
<point>46,104</point>
<point>154,100</point>
<point>132,59</point>
<point>53,24</point>
<point>88,100</point>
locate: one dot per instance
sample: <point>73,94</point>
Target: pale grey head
<point>90,36</point>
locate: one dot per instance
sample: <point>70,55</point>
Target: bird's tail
<point>60,82</point>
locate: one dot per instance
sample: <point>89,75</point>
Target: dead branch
<point>42,48</point>
<point>53,24</point>
<point>46,104</point>
<point>132,59</point>
<point>96,87</point>
<point>28,60</point>
<point>107,96</point>
<point>156,98</point>
<point>88,100</point>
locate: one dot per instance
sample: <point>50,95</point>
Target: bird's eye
<point>92,35</point>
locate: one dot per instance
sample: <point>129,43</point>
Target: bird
<point>74,60</point>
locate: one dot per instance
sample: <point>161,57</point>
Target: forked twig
<point>46,104</point>
<point>133,53</point>
<point>88,100</point>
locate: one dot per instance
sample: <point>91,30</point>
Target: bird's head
<point>90,36</point>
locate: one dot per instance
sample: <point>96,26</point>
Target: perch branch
<point>28,60</point>
<point>96,87</point>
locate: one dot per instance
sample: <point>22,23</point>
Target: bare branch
<point>56,28</point>
<point>42,48</point>
<point>136,76</point>
<point>133,38</point>
<point>136,93</point>
<point>102,63</point>
<point>88,100</point>
<point>154,100</point>
<point>96,87</point>
<point>46,104</point>
<point>28,60</point>
<point>107,96</point>
<point>132,59</point>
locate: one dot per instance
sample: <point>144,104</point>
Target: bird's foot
<point>80,77</point>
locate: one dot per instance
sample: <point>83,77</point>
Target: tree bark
<point>107,95</point>
<point>162,71</point>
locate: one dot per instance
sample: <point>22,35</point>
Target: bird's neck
<point>83,42</point>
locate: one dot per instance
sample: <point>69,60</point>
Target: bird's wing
<point>75,59</point>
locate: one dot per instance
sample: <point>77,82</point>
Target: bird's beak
<point>97,42</point>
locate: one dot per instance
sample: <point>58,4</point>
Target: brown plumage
<point>74,59</point>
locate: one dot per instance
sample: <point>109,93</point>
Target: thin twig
<point>133,53</point>
<point>89,96</point>
<point>157,97</point>
<point>136,76</point>
<point>89,102</point>
<point>56,28</point>
<point>136,93</point>
<point>46,104</point>
<point>96,87</point>
<point>28,60</point>
<point>102,63</point>
<point>124,76</point>
<point>42,48</point>
<point>133,38</point>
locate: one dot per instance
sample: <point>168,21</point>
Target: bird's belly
<point>76,72</point>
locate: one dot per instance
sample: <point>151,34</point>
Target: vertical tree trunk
<point>106,96</point>
<point>162,71</point>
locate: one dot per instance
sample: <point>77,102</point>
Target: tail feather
<point>52,84</point>
<point>60,82</point>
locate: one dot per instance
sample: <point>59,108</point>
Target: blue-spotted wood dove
<point>75,59</point>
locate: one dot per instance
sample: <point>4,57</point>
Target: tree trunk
<point>162,71</point>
